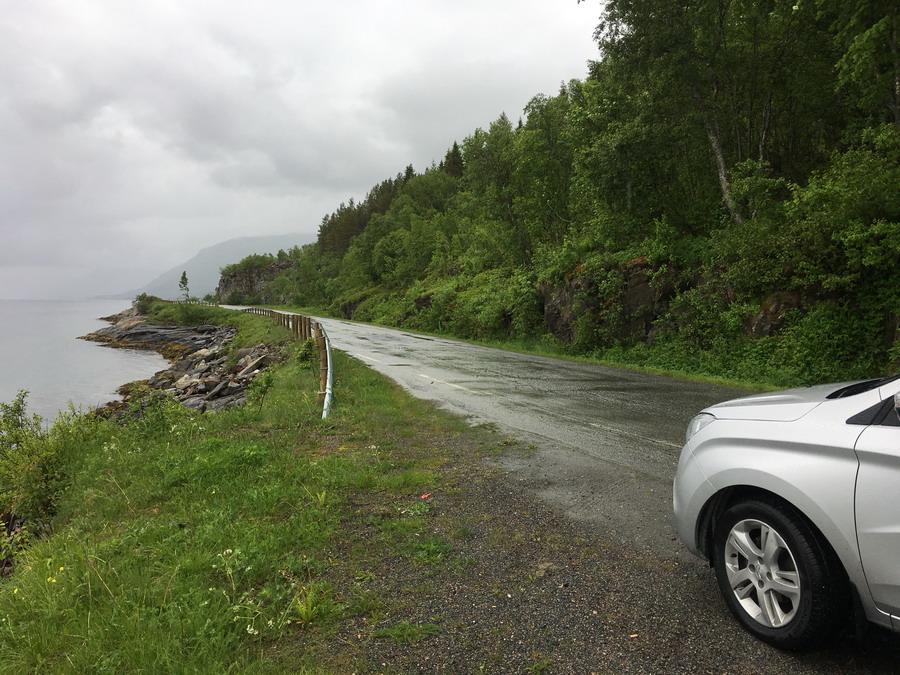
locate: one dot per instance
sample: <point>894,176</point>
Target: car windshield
<point>860,387</point>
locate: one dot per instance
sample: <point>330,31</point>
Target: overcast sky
<point>133,134</point>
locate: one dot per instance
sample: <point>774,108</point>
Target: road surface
<point>606,440</point>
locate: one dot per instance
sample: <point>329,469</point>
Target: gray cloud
<point>134,134</point>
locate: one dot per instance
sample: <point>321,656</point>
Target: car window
<point>860,387</point>
<point>882,413</point>
<point>892,419</point>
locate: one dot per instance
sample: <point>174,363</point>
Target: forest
<point>720,195</point>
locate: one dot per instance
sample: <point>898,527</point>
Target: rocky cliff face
<point>636,296</point>
<point>251,284</point>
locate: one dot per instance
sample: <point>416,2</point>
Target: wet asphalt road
<point>606,441</point>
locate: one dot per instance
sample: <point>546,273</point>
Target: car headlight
<point>698,423</point>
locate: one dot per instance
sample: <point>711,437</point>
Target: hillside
<point>718,196</point>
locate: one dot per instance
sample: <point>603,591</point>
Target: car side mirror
<point>897,404</point>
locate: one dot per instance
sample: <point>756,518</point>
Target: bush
<point>144,303</point>
<point>831,342</point>
<point>26,456</point>
<point>33,458</point>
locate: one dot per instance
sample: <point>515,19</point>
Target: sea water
<point>40,353</point>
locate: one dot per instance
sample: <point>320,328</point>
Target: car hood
<point>778,406</point>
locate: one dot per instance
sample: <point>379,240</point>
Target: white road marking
<point>368,358</point>
<point>449,384</point>
<point>628,433</point>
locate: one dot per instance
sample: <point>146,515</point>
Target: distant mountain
<point>203,269</point>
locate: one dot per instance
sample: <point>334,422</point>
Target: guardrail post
<point>323,361</point>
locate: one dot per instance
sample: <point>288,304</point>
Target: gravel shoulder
<point>525,588</point>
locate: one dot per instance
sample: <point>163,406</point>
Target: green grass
<point>196,542</point>
<point>406,631</point>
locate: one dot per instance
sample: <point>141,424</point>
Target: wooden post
<point>323,362</point>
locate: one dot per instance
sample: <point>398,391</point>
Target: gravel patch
<point>524,589</point>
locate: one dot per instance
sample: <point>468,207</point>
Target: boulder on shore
<point>200,374</point>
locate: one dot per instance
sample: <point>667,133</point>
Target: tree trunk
<point>715,143</point>
<point>895,98</point>
<point>767,119</point>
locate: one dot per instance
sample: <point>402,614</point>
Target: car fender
<point>789,469</point>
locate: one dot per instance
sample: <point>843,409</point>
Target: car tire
<point>778,578</point>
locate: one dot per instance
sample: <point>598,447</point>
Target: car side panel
<point>878,513</point>
<point>811,464</point>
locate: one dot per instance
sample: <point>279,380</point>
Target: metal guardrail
<point>306,328</point>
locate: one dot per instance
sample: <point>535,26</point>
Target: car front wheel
<point>779,580</point>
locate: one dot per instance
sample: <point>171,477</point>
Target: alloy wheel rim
<point>762,573</point>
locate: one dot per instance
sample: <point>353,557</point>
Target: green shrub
<point>26,460</point>
<point>252,261</point>
<point>831,342</point>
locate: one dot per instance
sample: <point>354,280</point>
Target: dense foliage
<point>719,195</point>
<point>256,261</point>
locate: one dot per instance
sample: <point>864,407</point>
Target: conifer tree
<point>183,285</point>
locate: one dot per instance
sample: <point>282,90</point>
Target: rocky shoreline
<point>201,375</point>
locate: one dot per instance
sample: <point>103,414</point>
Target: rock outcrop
<point>131,331</point>
<point>772,311</point>
<point>633,297</point>
<point>250,285</point>
<point>201,375</point>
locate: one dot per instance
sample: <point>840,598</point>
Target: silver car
<point>794,498</point>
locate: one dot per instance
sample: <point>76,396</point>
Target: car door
<point>878,510</point>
